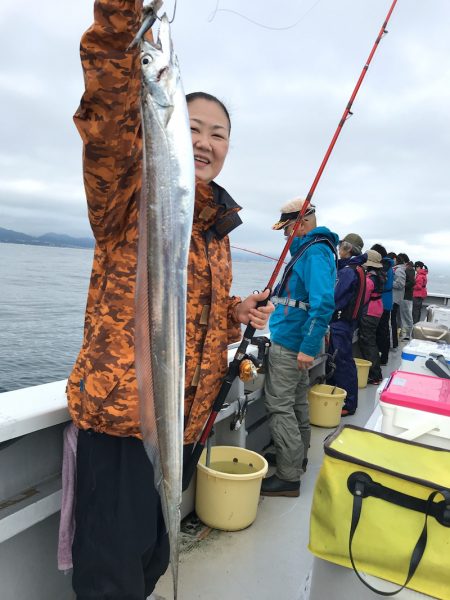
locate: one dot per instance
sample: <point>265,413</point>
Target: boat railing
<point>31,425</point>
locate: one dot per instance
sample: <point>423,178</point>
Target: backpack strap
<point>319,239</point>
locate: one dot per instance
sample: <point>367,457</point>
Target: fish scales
<point>165,221</point>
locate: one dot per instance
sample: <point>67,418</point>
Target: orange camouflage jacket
<point>102,388</point>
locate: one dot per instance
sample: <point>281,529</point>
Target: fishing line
<point>253,252</point>
<point>262,25</point>
<point>174,12</point>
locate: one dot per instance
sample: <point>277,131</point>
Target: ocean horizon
<point>44,292</point>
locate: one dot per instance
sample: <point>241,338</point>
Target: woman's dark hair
<point>402,258</point>
<point>391,255</point>
<point>380,249</point>
<point>204,96</point>
<point>419,263</point>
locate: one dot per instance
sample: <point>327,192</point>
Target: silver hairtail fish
<point>165,221</point>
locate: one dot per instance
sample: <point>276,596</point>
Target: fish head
<point>159,65</point>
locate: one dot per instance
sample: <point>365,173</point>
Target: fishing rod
<point>233,369</point>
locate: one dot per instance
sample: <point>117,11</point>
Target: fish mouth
<point>161,73</point>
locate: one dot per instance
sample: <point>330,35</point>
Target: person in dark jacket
<point>383,334</point>
<point>349,284</point>
<point>407,301</point>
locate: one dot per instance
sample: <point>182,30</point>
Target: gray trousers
<point>286,399</point>
<point>406,317</point>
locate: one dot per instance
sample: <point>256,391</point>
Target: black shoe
<point>273,486</point>
<point>272,460</point>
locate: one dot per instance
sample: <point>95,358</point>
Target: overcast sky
<point>388,176</point>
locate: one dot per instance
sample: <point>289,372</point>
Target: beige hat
<point>373,259</point>
<point>290,212</point>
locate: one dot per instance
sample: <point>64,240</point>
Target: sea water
<point>43,293</point>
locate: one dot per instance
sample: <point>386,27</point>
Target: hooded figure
<point>304,301</point>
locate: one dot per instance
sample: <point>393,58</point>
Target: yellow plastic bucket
<point>325,407</point>
<point>227,491</point>
<point>362,366</point>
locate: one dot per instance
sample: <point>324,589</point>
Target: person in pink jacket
<point>372,312</point>
<point>420,289</point>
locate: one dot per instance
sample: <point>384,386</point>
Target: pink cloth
<point>420,286</point>
<point>69,476</point>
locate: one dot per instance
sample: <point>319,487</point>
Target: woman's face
<point>210,137</point>
<point>345,250</point>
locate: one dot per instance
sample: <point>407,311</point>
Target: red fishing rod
<point>233,369</point>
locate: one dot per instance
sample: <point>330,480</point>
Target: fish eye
<point>146,60</point>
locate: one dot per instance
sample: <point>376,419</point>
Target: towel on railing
<point>67,520</point>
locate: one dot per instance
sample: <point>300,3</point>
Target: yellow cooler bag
<point>382,506</point>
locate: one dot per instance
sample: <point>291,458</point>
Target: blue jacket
<point>347,279</point>
<point>387,295</point>
<point>312,280</point>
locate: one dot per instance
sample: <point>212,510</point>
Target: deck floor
<point>270,559</point>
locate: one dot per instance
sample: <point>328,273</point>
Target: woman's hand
<point>246,311</point>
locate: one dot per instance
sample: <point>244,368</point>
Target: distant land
<point>60,240</point>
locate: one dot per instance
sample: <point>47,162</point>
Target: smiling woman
<point>210,128</point>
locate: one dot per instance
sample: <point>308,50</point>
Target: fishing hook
<point>149,18</point>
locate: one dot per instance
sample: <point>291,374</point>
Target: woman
<point>211,326</point>
<point>373,309</point>
<point>348,297</point>
<point>420,289</point>
<point>120,547</point>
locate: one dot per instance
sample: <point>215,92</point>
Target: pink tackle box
<point>417,407</point>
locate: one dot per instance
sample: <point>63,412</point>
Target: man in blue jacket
<point>304,301</point>
<point>349,300</point>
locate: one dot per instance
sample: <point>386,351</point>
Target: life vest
<point>379,278</point>
<point>354,308</point>
<point>276,298</point>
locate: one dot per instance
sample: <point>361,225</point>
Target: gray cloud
<point>387,177</point>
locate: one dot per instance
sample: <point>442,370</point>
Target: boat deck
<point>269,559</point>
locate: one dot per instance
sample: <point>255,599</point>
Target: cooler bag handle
<point>361,485</point>
<point>429,336</point>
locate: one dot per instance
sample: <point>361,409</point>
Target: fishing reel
<point>252,365</point>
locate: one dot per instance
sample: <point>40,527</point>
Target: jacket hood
<point>333,237</point>
<point>389,261</point>
<point>353,260</point>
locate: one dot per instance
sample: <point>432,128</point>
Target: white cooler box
<point>416,353</point>
<point>439,314</point>
<point>417,407</point>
